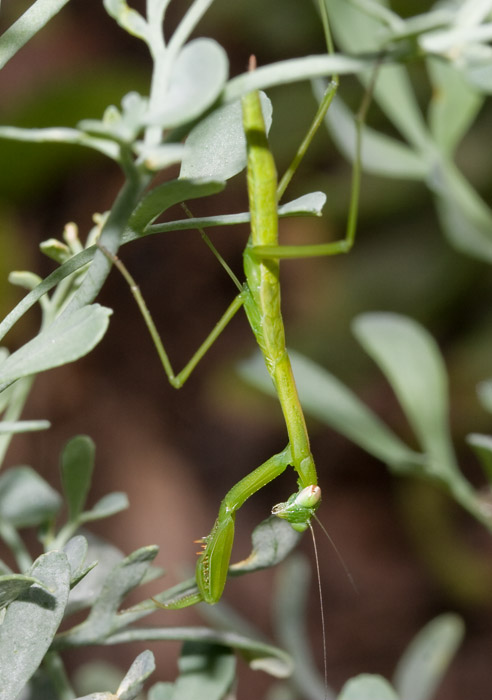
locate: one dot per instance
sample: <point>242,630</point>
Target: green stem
<point>19,393</point>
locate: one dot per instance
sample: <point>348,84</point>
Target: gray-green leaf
<point>65,340</point>
<point>161,691</point>
<point>139,671</point>
<point>108,505</point>
<point>76,550</point>
<point>367,687</point>
<point>87,590</point>
<point>31,623</point>
<point>206,671</point>
<point>272,541</point>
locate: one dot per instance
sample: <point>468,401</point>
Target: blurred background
<point>176,453</point>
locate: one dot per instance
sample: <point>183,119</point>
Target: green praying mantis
<point>259,295</point>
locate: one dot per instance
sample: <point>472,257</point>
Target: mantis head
<point>300,507</point>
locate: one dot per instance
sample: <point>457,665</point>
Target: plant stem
<point>111,234</point>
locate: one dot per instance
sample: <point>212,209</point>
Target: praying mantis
<point>259,295</point>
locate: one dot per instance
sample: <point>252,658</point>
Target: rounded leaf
<point>30,623</point>
<point>197,78</point>
<point>367,687</point>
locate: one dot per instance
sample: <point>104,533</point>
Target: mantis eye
<point>309,497</point>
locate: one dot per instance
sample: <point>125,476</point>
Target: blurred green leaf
<point>77,465</point>
<point>356,31</point>
<point>108,505</point>
<point>477,71</point>
<point>67,339</point>
<point>380,154</point>
<point>197,78</point>
<point>216,147</point>
<point>161,691</point>
<point>416,25</point>
<point>31,623</point>
<point>411,361</point>
<point>95,674</point>
<point>465,217</point>
<point>426,660</point>
<point>484,392</point>
<point>4,569</point>
<point>27,500</point>
<point>139,671</point>
<point>367,687</point>
<point>453,106</point>
<point>206,671</point>
<point>291,71</point>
